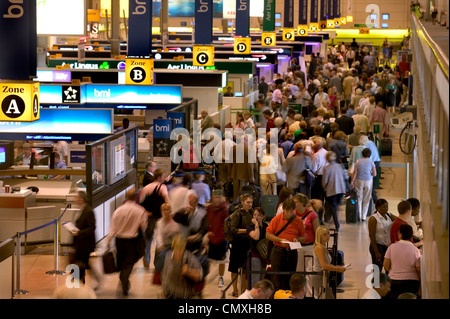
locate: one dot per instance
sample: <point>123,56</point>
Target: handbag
<point>109,262</point>
<point>281,177</point>
<point>265,245</point>
<point>309,178</point>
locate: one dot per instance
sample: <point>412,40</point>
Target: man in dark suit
<point>346,124</point>
<point>263,87</point>
<point>150,168</point>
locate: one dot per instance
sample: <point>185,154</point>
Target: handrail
<point>441,58</point>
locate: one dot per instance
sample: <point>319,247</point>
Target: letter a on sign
<point>19,102</point>
<point>139,71</point>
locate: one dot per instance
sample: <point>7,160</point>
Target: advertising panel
<point>61,17</point>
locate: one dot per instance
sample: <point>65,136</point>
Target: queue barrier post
<point>18,252</point>
<point>56,272</point>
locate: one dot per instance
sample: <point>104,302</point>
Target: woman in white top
<point>322,262</point>
<point>268,167</point>
<point>379,232</point>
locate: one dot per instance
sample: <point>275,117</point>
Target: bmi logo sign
<point>19,102</point>
<point>139,71</point>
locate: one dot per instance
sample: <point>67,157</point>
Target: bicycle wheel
<point>407,141</point>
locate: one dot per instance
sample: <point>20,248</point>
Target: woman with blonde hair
<point>240,122</point>
<point>322,262</point>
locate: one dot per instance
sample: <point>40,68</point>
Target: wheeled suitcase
<point>351,209</point>
<point>386,147</point>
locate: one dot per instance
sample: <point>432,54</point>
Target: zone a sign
<point>139,71</point>
<point>19,102</point>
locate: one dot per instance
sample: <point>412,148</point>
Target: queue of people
<point>319,156</point>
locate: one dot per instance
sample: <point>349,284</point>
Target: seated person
<point>25,157</point>
<point>59,164</point>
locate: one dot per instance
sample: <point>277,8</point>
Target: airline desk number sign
<point>242,45</point>
<point>288,34</point>
<point>19,102</point>
<point>268,39</point>
<point>139,71</point>
<point>302,30</point>
<point>203,56</point>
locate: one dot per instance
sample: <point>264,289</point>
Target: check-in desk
<point>25,210</point>
<point>13,208</point>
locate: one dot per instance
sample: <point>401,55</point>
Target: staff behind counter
<point>26,157</point>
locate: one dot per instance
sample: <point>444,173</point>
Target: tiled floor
<point>353,241</point>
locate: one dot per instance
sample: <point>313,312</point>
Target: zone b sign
<point>139,71</point>
<point>19,102</point>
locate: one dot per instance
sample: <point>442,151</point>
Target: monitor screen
<point>278,16</point>
<point>6,154</point>
<point>2,154</point>
<point>385,25</point>
<point>385,16</point>
<point>238,94</point>
<point>373,16</point>
<point>278,24</point>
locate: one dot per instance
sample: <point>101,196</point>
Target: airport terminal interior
<point>131,114</point>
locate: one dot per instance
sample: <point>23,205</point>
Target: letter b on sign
<point>139,71</point>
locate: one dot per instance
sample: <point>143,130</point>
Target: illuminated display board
<point>60,17</point>
<point>65,121</point>
<point>114,94</point>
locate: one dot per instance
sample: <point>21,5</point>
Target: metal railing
<point>431,92</point>
<point>17,238</point>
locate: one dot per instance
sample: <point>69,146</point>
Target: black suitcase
<point>386,147</point>
<point>351,209</point>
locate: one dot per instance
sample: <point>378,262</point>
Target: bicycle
<point>408,138</point>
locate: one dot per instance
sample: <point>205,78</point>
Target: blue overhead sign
<point>140,28</point>
<point>243,18</point>
<point>18,39</point>
<point>113,94</point>
<point>203,21</point>
<point>178,119</point>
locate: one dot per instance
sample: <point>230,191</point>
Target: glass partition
<point>108,163</point>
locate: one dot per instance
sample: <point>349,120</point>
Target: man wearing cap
<point>201,188</point>
<point>25,157</point>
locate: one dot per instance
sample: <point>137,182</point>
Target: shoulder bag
<point>265,245</point>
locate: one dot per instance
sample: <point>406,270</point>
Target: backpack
<point>228,234</point>
<point>153,202</point>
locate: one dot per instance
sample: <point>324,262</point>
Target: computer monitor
<point>277,16</point>
<point>238,94</point>
<point>6,154</point>
<point>385,16</point>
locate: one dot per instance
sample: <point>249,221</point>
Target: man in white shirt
<point>319,161</point>
<point>126,222</point>
<point>382,290</point>
<point>263,289</point>
<point>321,97</point>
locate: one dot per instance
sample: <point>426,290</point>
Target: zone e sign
<point>139,71</point>
<point>19,102</point>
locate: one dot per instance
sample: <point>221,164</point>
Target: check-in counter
<point>13,208</point>
<point>25,210</point>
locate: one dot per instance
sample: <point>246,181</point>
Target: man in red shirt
<point>216,213</point>
<point>282,257</point>
<point>404,210</point>
<point>270,121</point>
